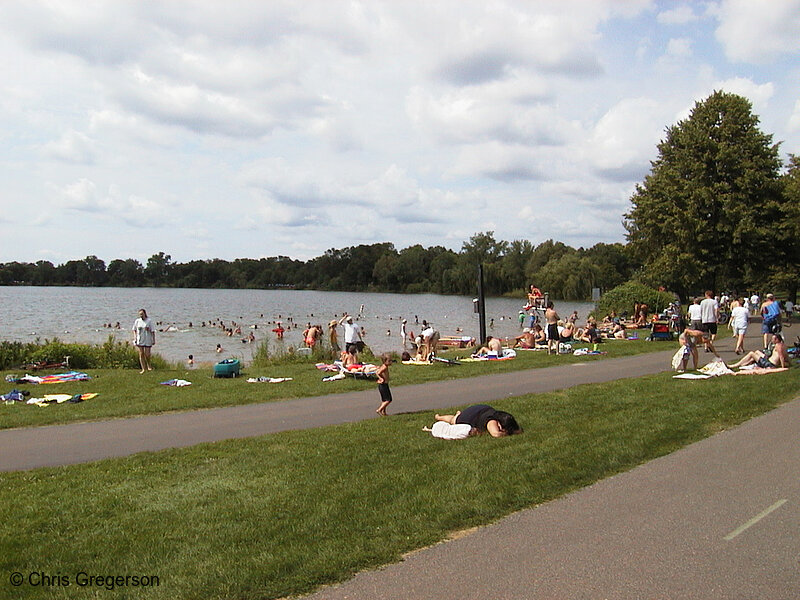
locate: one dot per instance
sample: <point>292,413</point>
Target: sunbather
<point>493,347</point>
<point>778,359</point>
<point>485,419</point>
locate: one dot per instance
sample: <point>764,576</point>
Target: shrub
<point>110,355</point>
<point>622,298</point>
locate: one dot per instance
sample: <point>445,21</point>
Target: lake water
<point>76,314</point>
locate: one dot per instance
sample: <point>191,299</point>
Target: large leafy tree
<point>785,272</point>
<point>704,216</point>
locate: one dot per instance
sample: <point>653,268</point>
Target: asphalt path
<point>58,445</point>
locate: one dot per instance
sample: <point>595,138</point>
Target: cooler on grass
<point>227,368</point>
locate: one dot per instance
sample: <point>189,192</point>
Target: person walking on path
<point>709,315</point>
<point>740,318</point>
<point>695,318</point>
<point>770,315</point>
<point>144,338</point>
<point>383,384</point>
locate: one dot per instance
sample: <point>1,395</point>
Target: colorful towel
<point>64,377</point>
<point>49,399</point>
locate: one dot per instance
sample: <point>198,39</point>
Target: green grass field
<point>283,514</point>
<point>124,392</point>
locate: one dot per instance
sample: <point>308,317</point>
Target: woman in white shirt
<point>144,338</point>
<point>740,318</point>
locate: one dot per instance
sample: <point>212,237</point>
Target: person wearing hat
<point>333,335</point>
<point>352,333</point>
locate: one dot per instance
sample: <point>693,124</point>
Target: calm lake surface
<point>75,314</point>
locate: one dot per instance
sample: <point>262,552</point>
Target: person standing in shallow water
<point>144,338</point>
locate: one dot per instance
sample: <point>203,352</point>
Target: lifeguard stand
<point>538,306</point>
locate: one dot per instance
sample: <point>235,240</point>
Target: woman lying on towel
<point>484,419</point>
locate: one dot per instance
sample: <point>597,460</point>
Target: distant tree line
<point>509,268</point>
<point>717,211</point>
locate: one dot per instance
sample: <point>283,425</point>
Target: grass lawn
<point>124,392</point>
<point>282,514</point>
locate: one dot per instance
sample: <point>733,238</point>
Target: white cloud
<point>679,48</point>
<point>72,147</point>
<point>794,120</point>
<point>83,196</point>
<point>517,110</point>
<point>680,15</point>
<point>757,32</point>
<point>624,140</point>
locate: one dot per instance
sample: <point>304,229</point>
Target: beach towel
<point>268,379</point>
<point>758,371</point>
<point>177,383</point>
<point>677,358</point>
<point>62,377</point>
<point>508,354</point>
<point>715,368</point>
<point>445,431</point>
<point>587,352</point>
<point>49,399</point>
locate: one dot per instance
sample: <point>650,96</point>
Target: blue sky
<point>209,129</point>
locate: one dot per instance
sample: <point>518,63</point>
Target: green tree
<point>513,264</point>
<point>543,254</point>
<point>613,262</point>
<point>785,271</point>
<point>91,271</point>
<point>158,268</point>
<point>703,216</point>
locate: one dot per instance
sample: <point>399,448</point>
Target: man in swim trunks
<point>551,317</point>
<point>778,359</point>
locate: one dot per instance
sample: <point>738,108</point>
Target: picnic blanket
<point>268,379</point>
<point>58,378</point>
<point>49,399</point>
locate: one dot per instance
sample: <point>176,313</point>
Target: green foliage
<point>110,355</point>
<point>13,354</point>
<point>784,270</point>
<point>622,298</point>
<point>704,216</point>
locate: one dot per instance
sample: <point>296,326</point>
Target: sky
<point>242,129</point>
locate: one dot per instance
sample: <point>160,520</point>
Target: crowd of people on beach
<point>542,328</point>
